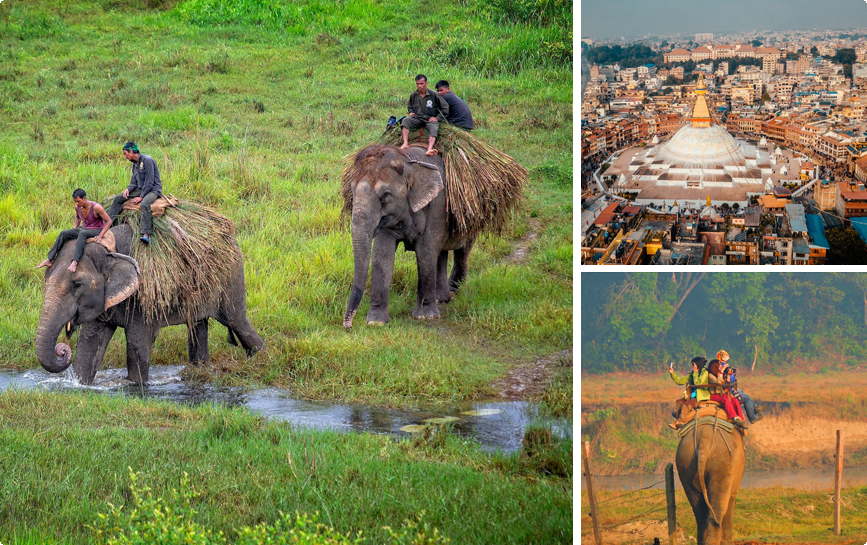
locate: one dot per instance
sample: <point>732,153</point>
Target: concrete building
<point>851,200</point>
<point>703,37</point>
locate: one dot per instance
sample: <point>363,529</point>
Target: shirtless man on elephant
<point>91,221</point>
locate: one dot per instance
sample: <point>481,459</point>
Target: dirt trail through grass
<point>531,379</point>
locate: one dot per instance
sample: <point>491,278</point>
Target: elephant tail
<point>703,452</point>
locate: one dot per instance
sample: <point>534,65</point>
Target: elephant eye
<point>385,197</point>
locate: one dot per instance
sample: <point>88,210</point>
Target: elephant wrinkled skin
<point>397,196</point>
<point>711,477</point>
<point>100,296</point>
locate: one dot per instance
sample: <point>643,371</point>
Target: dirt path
<point>531,379</point>
<point>519,254</point>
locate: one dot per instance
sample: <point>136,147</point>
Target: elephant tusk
<point>68,326</point>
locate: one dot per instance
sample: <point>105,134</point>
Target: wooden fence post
<point>591,494</point>
<point>671,504</point>
<point>838,482</point>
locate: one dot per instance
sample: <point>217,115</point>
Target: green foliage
<point>150,520</point>
<point>775,318</point>
<point>845,56</point>
<point>628,57</point>
<point>846,247</point>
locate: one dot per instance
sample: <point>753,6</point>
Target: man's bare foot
<point>431,152</point>
<point>46,263</point>
<point>404,146</point>
<point>72,266</point>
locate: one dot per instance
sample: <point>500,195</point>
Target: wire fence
<point>658,506</point>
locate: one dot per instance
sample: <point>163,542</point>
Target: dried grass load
<point>484,186</point>
<point>191,255</point>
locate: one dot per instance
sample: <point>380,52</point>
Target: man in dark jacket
<point>459,112</point>
<point>425,109</point>
<point>144,188</point>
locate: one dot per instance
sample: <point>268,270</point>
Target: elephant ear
<point>425,184</point>
<point>122,278</point>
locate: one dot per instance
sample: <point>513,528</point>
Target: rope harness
<point>718,425</point>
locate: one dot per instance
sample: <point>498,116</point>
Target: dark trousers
<point>80,235</point>
<point>146,202</point>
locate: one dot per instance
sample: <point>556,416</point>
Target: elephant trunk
<point>362,237</point>
<point>55,359</point>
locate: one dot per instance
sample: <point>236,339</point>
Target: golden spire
<point>708,200</point>
<point>700,113</point>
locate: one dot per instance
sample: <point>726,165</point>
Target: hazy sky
<point>607,18</point>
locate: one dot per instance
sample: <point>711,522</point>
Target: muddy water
<point>821,478</point>
<point>500,428</point>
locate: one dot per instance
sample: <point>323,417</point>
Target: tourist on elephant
<point>718,394</point>
<point>691,398</point>
<point>91,221</point>
<point>754,413</point>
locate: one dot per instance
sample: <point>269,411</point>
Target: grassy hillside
<point>249,107</point>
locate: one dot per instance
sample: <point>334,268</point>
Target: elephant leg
<point>140,339</point>
<point>90,349</point>
<point>702,516</point>
<point>426,305</point>
<point>382,271</point>
<point>197,343</point>
<point>727,523</point>
<point>443,295</point>
<point>461,266</point>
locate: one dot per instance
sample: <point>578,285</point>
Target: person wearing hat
<point>693,398</point>
<point>144,188</point>
<point>718,394</point>
<point>753,412</point>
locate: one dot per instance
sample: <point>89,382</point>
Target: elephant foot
<point>426,313</point>
<point>377,317</point>
<point>443,298</point>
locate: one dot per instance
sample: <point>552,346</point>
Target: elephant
<point>710,462</point>
<point>100,296</point>
<point>397,196</point>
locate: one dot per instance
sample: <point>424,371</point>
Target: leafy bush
<point>171,522</point>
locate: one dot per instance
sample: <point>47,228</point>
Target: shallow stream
<point>495,424</point>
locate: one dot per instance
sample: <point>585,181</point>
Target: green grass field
<point>66,457</point>
<point>249,107</point>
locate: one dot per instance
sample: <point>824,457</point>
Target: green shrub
<point>152,520</point>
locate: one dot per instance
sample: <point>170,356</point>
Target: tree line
<point>641,321</point>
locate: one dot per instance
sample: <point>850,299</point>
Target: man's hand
<point>126,193</point>
<point>671,366</point>
<point>98,238</point>
<point>136,200</point>
<point>411,114</point>
<point>432,119</point>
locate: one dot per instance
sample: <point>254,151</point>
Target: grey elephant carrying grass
<point>110,290</point>
<point>433,205</point>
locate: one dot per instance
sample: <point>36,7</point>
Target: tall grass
<point>185,88</point>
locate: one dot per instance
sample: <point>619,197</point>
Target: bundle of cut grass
<point>484,186</point>
<point>191,255</point>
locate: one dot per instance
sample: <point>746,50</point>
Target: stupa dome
<point>702,146</point>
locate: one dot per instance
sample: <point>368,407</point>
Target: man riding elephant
<point>426,109</point>
<point>144,188</point>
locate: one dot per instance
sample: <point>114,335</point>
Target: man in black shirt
<point>459,113</point>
